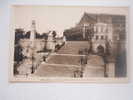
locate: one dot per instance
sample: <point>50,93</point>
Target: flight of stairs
<point>73,47</point>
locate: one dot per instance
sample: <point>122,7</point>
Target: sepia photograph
<point>74,43</point>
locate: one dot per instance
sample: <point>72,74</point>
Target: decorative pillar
<point>84,30</point>
<point>33,31</point>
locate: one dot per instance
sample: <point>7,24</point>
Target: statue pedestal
<point>111,69</point>
<point>25,67</point>
<point>94,67</point>
<point>93,71</point>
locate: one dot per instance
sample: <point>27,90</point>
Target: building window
<point>97,37</point>
<point>106,37</point>
<point>101,28</point>
<point>102,37</point>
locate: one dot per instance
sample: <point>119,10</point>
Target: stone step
<point>55,70</point>
<point>64,59</point>
<point>73,47</point>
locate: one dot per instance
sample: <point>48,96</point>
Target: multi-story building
<point>106,34</point>
<point>101,28</point>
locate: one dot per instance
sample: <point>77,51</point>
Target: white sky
<point>56,17</point>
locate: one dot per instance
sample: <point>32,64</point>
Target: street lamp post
<point>90,33</point>
<point>32,40</point>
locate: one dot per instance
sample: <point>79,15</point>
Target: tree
<point>18,35</point>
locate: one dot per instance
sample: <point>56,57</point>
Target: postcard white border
<point>64,80</point>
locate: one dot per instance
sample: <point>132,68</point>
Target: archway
<point>100,50</point>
